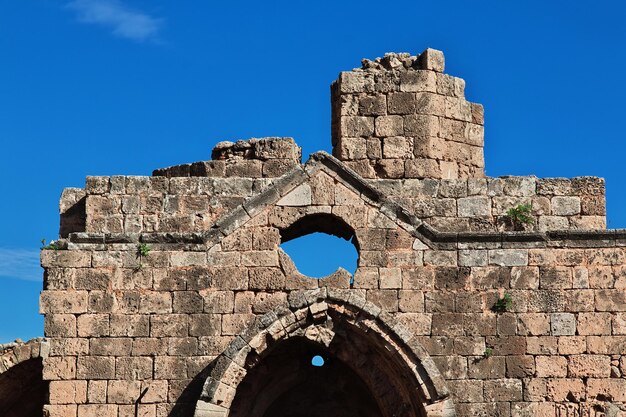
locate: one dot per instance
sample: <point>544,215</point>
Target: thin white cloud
<point>121,20</point>
<point>20,264</point>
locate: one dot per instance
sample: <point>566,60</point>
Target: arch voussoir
<point>312,314</point>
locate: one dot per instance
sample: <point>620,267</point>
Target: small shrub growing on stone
<point>52,245</point>
<point>503,304</point>
<point>520,216</point>
<point>488,352</point>
<point>143,250</point>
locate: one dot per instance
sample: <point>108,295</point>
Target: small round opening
<point>317,360</point>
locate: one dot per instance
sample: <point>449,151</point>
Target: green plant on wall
<point>143,250</point>
<point>503,303</point>
<point>52,245</point>
<point>520,216</point>
<point>488,352</point>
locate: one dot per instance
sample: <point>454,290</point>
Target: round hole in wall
<point>317,360</point>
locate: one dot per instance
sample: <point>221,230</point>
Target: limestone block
<point>389,126</point>
<point>421,168</point>
<point>508,257</point>
<point>473,258</point>
<point>397,147</point>
<point>68,392</point>
<point>373,105</point>
<point>401,103</point>
<point>457,108</point>
<point>92,325</point>
<point>520,366</point>
<point>170,367</point>
<point>169,325</point>
<point>418,81</point>
<point>503,390</point>
<point>351,82</point>
<point>421,125</point>
<point>429,103</point>
<point>431,59</point>
<point>100,410</point>
<point>581,366</point>
<point>551,366</point>
<point>390,278</point>
<point>466,391</point>
<point>445,85</point>
<point>474,206</point>
<point>123,392</point>
<point>533,324</point>
<point>300,196</point>
<point>565,206</point>
<point>562,324</point>
<point>95,367</point>
<point>63,302</point>
<point>588,186</point>
<point>348,148</point>
<point>552,223</point>
<point>110,346</point>
<point>430,147</point>
<point>356,126</point>
<point>478,113</point>
<point>451,367</point>
<point>557,277</point>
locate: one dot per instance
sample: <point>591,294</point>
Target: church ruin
<point>474,296</point>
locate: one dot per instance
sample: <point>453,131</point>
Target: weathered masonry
<point>170,296</point>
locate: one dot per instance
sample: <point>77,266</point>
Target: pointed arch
<point>399,373</point>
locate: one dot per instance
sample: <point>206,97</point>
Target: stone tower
<point>170,295</point>
<point>402,117</point>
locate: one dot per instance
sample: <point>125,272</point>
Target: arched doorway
<point>373,367</point>
<point>288,384</point>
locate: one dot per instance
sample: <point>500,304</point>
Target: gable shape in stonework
<point>294,189</point>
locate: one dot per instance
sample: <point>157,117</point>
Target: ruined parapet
<point>252,158</point>
<point>483,204</point>
<point>402,117</point>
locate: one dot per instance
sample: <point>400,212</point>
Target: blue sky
<point>103,87</point>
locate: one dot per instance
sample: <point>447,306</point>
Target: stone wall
<point>175,299</point>
<point>401,117</point>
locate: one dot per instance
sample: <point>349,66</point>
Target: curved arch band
<point>324,316</point>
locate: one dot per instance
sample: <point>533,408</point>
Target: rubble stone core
<point>170,296</point>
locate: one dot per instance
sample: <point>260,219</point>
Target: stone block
<point>373,105</point>
<point>565,206</point>
<point>389,126</point>
<point>508,257</point>
<point>562,324</point>
<point>474,206</point>
<point>397,147</point>
<point>589,366</point>
<point>357,126</point>
<point>431,59</point>
<point>60,325</point>
<point>100,410</point>
<point>74,302</point>
<point>401,103</point>
<point>503,390</point>
<point>422,168</point>
<point>551,366</point>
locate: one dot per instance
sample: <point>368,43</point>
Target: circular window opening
<point>317,360</point>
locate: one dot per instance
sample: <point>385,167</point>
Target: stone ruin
<point>170,296</point>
